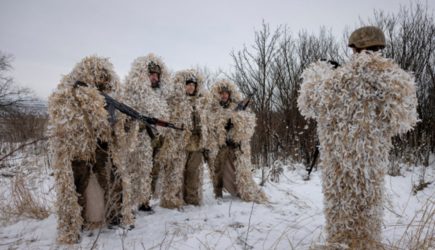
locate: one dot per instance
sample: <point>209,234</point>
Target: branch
<point>23,146</point>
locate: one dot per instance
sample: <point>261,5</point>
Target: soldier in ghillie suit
<point>146,89</point>
<point>89,144</point>
<point>230,136</point>
<point>182,182</point>
<point>358,108</point>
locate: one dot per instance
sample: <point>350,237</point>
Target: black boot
<point>115,222</point>
<point>146,208</point>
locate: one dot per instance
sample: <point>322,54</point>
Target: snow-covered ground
<point>293,219</point>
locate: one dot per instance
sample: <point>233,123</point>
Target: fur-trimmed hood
<point>73,110</point>
<point>225,84</point>
<point>182,76</point>
<point>139,72</point>
<point>93,70</point>
<point>137,90</point>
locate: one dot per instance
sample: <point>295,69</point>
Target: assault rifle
<point>243,104</point>
<point>112,104</point>
<point>313,163</point>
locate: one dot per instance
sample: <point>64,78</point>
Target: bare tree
<point>294,55</point>
<point>273,65</point>
<point>410,35</point>
<point>254,70</point>
<point>18,122</point>
<point>209,75</point>
<point>276,59</point>
<point>12,97</point>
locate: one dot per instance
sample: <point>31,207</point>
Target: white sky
<point>48,37</point>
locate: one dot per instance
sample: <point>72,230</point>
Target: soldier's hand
<point>232,144</point>
<point>142,127</point>
<point>157,142</point>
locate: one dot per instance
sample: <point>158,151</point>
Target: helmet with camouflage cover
<point>190,76</point>
<point>366,37</point>
<point>140,71</point>
<point>154,67</point>
<point>225,86</point>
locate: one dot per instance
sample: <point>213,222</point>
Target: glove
<point>157,142</point>
<point>206,154</point>
<point>142,127</point>
<point>232,144</point>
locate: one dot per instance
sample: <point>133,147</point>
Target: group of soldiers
<point>109,165</point>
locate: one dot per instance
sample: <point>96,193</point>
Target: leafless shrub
<point>253,70</point>
<point>12,97</point>
<point>23,203</point>
<point>410,37</point>
<point>21,127</point>
<point>273,66</point>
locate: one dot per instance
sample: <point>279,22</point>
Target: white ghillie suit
<point>358,108</point>
<point>230,165</point>
<point>182,182</point>
<point>138,93</point>
<point>87,146</point>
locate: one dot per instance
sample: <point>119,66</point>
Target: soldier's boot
<point>146,208</point>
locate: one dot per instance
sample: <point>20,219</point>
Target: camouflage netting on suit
<point>138,93</point>
<point>358,108</point>
<point>241,132</point>
<point>181,146</point>
<point>79,125</point>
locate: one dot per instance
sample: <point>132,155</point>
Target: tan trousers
<point>192,188</point>
<point>225,172</point>
<point>107,178</point>
<point>155,170</point>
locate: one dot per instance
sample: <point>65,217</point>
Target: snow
<point>292,220</point>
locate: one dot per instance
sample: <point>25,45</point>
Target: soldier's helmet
<point>154,68</point>
<point>366,37</point>
<point>191,79</point>
<point>225,88</point>
<point>188,76</point>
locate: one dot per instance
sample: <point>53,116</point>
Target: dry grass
<point>420,232</point>
<point>22,203</point>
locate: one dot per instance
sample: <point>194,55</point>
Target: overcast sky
<point>48,37</point>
